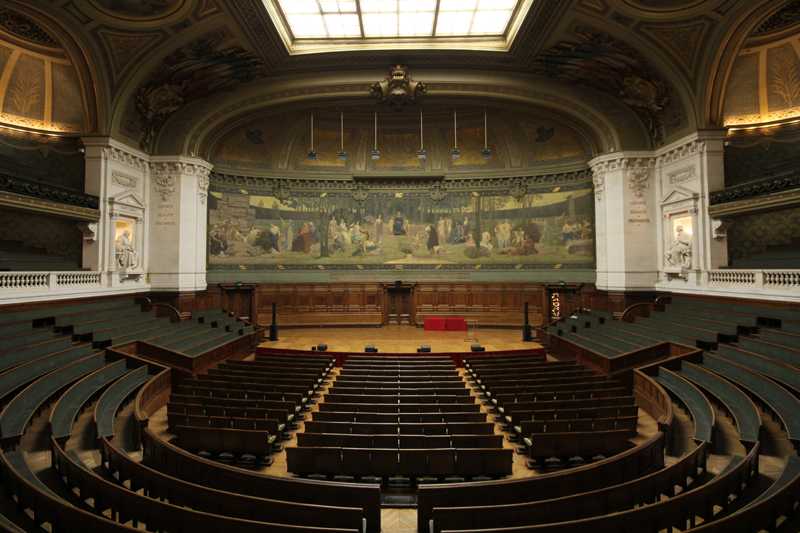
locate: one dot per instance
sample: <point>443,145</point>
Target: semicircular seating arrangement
<point>135,446</point>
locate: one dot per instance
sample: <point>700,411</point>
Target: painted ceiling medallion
<point>26,29</point>
<point>398,89</point>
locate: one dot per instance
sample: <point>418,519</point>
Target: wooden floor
<point>399,339</point>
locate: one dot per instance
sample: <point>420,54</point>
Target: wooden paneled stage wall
<point>370,304</point>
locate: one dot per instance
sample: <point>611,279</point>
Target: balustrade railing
<point>767,280</point>
<point>47,281</point>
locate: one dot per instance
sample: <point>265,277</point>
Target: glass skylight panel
<point>342,25</point>
<point>454,22</point>
<point>380,24</point>
<point>347,19</point>
<point>416,23</point>
<point>307,26</point>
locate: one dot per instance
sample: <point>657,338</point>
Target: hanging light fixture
<point>421,153</point>
<point>342,155</point>
<point>312,154</point>
<point>455,153</point>
<point>486,152</point>
<point>375,154</point>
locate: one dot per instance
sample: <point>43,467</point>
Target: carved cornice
<point>280,186</point>
<point>778,200</point>
<point>39,205</point>
<point>51,193</point>
<point>688,149</point>
<point>125,157</point>
<point>755,189</point>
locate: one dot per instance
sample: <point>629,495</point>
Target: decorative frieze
<point>278,185</point>
<point>125,157</point>
<point>682,151</point>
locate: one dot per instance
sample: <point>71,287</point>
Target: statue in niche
<point>680,253</point>
<point>127,258</point>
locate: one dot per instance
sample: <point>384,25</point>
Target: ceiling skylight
<point>322,25</point>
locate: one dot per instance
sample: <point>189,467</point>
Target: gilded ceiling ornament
<point>398,89</point>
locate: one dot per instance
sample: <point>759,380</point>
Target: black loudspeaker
<point>424,348</point>
<point>273,328</point>
<point>527,330</point>
<point>321,347</point>
<point>369,348</point>
<point>475,347</point>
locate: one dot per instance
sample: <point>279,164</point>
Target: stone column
<point>178,225</point>
<point>625,221</point>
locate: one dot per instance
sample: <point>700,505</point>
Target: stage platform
<point>399,339</point>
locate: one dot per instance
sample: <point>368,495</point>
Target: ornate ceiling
<point>171,74</point>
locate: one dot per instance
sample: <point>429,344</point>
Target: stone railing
<point>47,281</point>
<point>757,279</point>
<point>22,287</point>
<point>768,284</point>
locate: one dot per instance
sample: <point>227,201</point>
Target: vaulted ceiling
<point>169,75</point>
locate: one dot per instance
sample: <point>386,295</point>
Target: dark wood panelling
<point>491,304</point>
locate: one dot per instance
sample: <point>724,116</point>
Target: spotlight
<point>422,155</point>
<point>424,348</point>
<point>475,347</point>
<point>370,348</point>
<point>455,154</point>
<point>342,155</point>
<point>312,155</point>
<point>375,155</point>
<point>486,153</point>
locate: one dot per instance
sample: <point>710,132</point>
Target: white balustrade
<point>16,285</point>
<point>24,280</point>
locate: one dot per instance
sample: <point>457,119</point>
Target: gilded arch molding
<point>714,85</point>
<point>91,74</point>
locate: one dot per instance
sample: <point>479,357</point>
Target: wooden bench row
<point>645,490</point>
<point>403,418</point>
<point>432,428</point>
<point>397,408</point>
<point>171,460</point>
<point>358,462</point>
<point>347,440</point>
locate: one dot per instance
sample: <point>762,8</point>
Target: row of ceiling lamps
<point>422,154</point>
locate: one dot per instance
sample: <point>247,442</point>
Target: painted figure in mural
<point>433,239</point>
<point>303,241</point>
<point>379,230</point>
<point>680,253</point>
<point>126,254</point>
<point>399,225</point>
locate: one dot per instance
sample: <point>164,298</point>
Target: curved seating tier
<point>700,408</point>
<point>68,407</point>
<point>736,402</point>
<point>780,401</point>
<point>110,401</point>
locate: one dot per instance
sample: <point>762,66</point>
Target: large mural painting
<point>501,224</point>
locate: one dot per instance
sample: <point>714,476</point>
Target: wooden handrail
<point>171,309</point>
<point>636,310</point>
